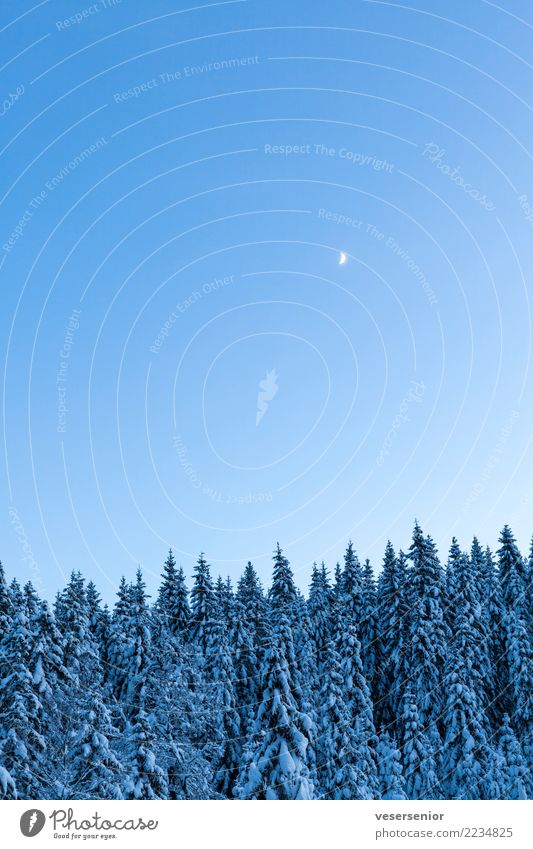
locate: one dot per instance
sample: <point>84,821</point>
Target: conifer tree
<point>50,678</point>
<point>176,701</point>
<point>283,595</point>
<point>245,654</point>
<point>390,776</point>
<point>225,601</point>
<point>277,767</point>
<point>466,755</point>
<point>515,773</point>
<point>426,632</point>
<point>337,584</point>
<point>120,646</point>
<point>512,573</point>
<point>144,777</point>
<point>517,683</point>
<point>341,771</point>
<point>419,769</point>
<point>369,629</point>
<point>492,614</point>
<point>450,581</point>
<point>31,601</point>
<point>358,701</point>
<point>202,604</point>
<point>80,652</point>
<point>242,696</point>
<point>140,642</point>
<point>173,600</point>
<point>352,585</point>
<point>393,610</point>
<point>319,610</point>
<point>468,624</point>
<point>225,723</point>
<point>250,595</point>
<point>22,744</point>
<point>6,609</point>
<point>98,617</point>
<point>95,772</point>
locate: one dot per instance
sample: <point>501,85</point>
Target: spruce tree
<point>173,599</point>
<point>341,771</point>
<point>283,595</point>
<point>369,629</point>
<point>95,772</point>
<point>245,655</point>
<point>517,683</point>
<point>466,754</point>
<point>514,769</point>
<point>145,779</point>
<point>250,595</point>
<point>277,760</point>
<point>426,630</point>
<point>319,610</point>
<point>22,745</point>
<point>80,652</point>
<point>357,699</point>
<point>98,616</point>
<point>202,604</point>
<point>173,602</point>
<point>225,723</point>
<point>50,679</point>
<point>6,609</point>
<point>352,585</point>
<point>120,644</point>
<point>418,759</point>
<point>390,776</point>
<point>512,573</point>
<point>392,618</point>
<point>141,644</point>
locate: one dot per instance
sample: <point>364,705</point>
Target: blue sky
<point>186,361</point>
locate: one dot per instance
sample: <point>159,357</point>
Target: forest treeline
<point>414,685</point>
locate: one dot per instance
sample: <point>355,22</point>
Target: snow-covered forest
<point>414,685</point>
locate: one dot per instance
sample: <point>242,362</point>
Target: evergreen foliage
<point>415,686</point>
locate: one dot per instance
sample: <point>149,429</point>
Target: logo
<point>267,390</point>
<point>32,822</point>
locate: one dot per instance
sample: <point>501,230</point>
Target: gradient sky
<point>177,184</point>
